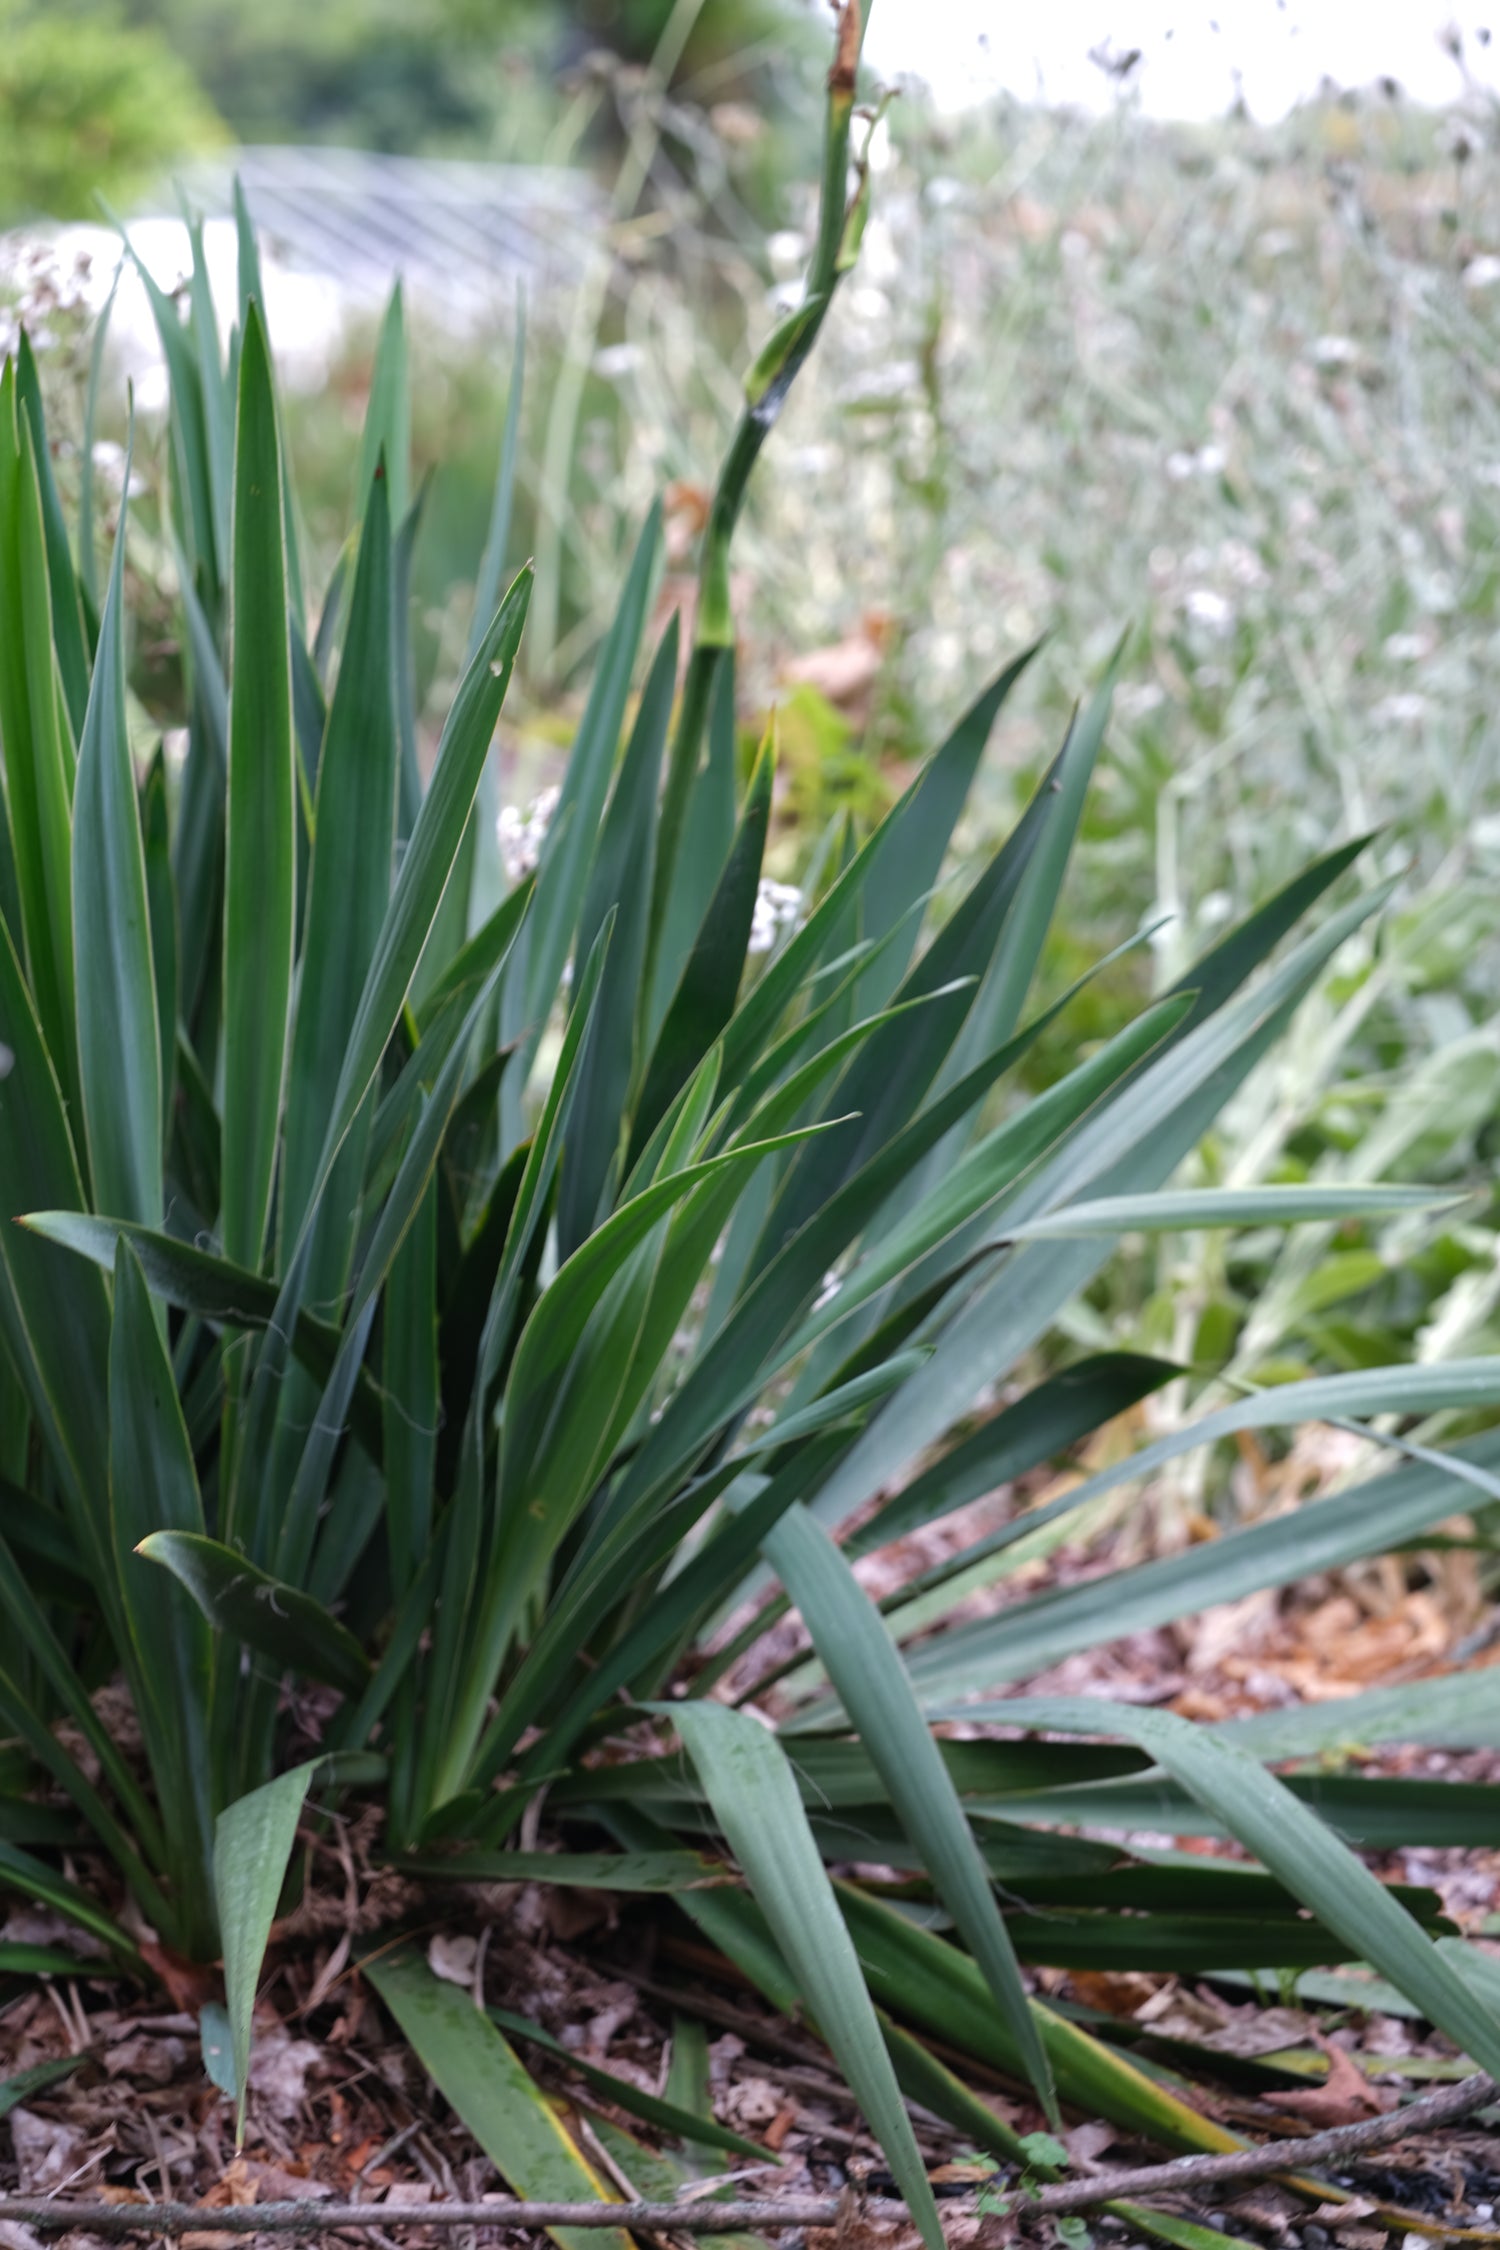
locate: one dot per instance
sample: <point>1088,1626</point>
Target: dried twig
<point>311,2217</point>
<point>1188,2172</point>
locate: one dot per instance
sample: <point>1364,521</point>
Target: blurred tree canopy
<point>106,95</point>
<point>385,74</point>
<point>90,103</point>
<point>409,75</point>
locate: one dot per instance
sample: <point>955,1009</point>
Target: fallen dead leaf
<point>859,2232</point>
<point>235,2187</point>
<point>607,2021</point>
<point>1345,2096</point>
<point>1228,1627</point>
<point>1262,2211</point>
<point>47,2150</point>
<point>780,2125</point>
<point>1115,1995</point>
<point>145,2060</point>
<point>39,1925</point>
<point>276,2183</point>
<point>1180,2013</point>
<point>453,1958</point>
<point>1086,2143</point>
<point>749,2102</point>
<point>280,2067</point>
<point>188,1983</point>
<point>570,1915</point>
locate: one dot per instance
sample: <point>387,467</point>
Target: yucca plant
<point>428,1328</point>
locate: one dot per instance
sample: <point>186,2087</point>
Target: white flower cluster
<point>39,286</point>
<point>1403,710</point>
<point>1205,607</point>
<point>778,907</point>
<point>521,834</point>
<point>1207,461</point>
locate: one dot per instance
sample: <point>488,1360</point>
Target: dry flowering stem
<point>321,2217</point>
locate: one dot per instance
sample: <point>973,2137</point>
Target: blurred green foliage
<point>408,76</point>
<point>106,99</point>
<point>89,104</point>
<point>395,75</point>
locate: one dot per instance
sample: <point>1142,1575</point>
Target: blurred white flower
<point>786,252</point>
<point>870,305</point>
<point>520,834</point>
<point>1138,697</point>
<point>1208,461</point>
<point>109,466</point>
<point>1334,351</point>
<point>615,360</point>
<point>778,907</point>
<point>872,385</point>
<point>1482,272</point>
<point>879,252</point>
<point>813,460</point>
<point>46,282</point>
<point>1239,561</point>
<point>1209,609</point>
<point>1402,710</point>
<point>1407,648</point>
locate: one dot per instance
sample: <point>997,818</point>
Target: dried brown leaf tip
<point>846,61</point>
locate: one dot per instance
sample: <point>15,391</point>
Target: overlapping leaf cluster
<point>384,1378</point>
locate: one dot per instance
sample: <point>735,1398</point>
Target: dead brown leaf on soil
<point>1344,2097</point>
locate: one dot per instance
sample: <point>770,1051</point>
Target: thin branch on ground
<point>1184,2173</point>
<point>1187,2172</point>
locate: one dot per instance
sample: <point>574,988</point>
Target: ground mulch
<point>340,2109</point>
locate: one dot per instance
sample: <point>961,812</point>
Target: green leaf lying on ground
<point>476,2070</point>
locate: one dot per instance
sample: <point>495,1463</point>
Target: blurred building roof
<point>462,234</point>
